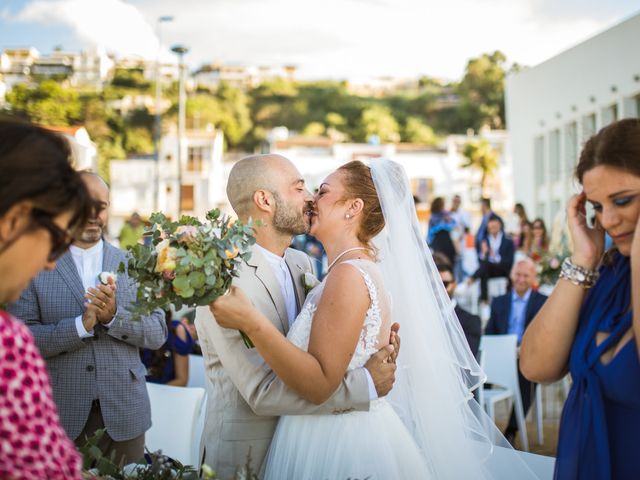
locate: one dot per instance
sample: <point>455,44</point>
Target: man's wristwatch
<point>577,275</point>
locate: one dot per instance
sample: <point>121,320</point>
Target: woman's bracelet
<point>577,275</point>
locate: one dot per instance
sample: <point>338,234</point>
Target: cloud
<point>114,24</point>
<point>335,38</point>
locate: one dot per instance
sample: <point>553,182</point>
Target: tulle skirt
<point>371,445</point>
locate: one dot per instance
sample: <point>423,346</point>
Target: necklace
<point>353,249</point>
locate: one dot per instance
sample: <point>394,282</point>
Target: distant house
<point>85,152</point>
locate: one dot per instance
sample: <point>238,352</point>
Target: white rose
<point>103,277</point>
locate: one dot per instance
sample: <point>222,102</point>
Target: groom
<point>245,397</point>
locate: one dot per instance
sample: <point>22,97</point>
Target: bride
<point>429,426</point>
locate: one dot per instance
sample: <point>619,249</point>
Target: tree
<point>481,91</point>
<point>481,156</point>
<point>416,131</point>
<point>377,120</point>
<point>46,103</point>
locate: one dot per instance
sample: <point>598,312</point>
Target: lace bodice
<point>375,322</point>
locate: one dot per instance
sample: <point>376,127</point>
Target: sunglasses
<point>60,239</point>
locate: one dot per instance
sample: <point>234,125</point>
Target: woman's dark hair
<point>164,354</point>
<point>495,218</point>
<point>545,237</point>
<point>520,211</point>
<point>616,145</point>
<point>437,205</point>
<point>36,165</point>
<point>359,184</point>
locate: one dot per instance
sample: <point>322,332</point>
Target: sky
<point>337,39</point>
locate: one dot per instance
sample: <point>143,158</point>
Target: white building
<point>16,63</point>
<point>553,108</point>
<point>135,182</point>
<point>85,152</point>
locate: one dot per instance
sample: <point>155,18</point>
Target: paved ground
<point>553,400</point>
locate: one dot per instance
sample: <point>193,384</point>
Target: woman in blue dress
<point>590,325</point>
<point>170,363</point>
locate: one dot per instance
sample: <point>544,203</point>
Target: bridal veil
<point>436,370</point>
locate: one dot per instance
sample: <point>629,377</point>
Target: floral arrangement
<point>549,268</point>
<point>187,263</point>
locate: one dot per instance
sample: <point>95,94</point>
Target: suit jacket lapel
<point>297,271</point>
<point>69,273</point>
<point>265,274</point>
<point>110,260</point>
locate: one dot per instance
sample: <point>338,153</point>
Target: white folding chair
<point>196,371</point>
<point>539,413</point>
<point>499,361</point>
<point>177,416</point>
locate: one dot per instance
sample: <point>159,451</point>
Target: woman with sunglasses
<point>42,200</point>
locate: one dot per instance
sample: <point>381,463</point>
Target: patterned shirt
<point>33,444</point>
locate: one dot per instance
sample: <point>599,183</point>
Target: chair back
<point>196,371</point>
<point>500,360</point>
<point>177,417</point>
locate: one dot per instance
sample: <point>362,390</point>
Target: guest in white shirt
<point>496,256</point>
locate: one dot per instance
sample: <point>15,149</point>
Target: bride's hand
<point>233,310</point>
<point>588,243</point>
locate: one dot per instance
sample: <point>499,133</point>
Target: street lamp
<point>180,50</point>
<point>157,127</point>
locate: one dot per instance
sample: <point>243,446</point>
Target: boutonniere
<point>103,277</point>
<point>309,281</point>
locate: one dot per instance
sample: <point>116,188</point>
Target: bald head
<point>523,275</point>
<point>256,172</point>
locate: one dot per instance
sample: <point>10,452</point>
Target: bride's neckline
<point>342,254</point>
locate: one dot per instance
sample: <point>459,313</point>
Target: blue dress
<point>173,346</point>
<point>601,418</point>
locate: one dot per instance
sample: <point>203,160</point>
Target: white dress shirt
<point>494,247</point>
<point>282,273</point>
<point>89,265</point>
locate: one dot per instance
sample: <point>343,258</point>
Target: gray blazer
<point>107,366</point>
<point>245,397</point>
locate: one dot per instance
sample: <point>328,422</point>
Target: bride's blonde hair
<point>358,183</point>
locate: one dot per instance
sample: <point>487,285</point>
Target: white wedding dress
<point>356,444</point>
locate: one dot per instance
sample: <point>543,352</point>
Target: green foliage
<point>418,114</point>
<point>189,263</point>
<point>378,120</point>
<point>416,131</point>
<point>161,467</point>
<point>481,156</point>
<point>46,103</point>
<point>482,91</point>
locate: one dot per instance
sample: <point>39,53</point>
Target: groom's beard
<point>289,220</point>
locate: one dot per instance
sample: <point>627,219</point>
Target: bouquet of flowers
<point>549,268</point>
<point>187,263</point>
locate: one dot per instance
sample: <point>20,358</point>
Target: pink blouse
<point>33,444</point>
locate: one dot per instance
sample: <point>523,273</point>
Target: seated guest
<point>511,314</point>
<point>170,363</point>
<point>496,256</point>
<point>471,324</point>
<point>539,240</point>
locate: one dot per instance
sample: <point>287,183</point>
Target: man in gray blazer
<point>245,396</point>
<point>90,342</point>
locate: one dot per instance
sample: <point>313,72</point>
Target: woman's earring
<point>347,216</point>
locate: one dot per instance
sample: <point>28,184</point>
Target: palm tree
<point>481,156</point>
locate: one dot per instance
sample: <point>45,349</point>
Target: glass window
<point>570,147</point>
<point>538,159</point>
<point>554,154</point>
<point>609,114</point>
<point>588,126</point>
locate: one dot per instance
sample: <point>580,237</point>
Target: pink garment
<point>33,444</point>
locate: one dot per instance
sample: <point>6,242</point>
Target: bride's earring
<point>347,216</point>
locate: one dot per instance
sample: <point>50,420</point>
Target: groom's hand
<point>382,370</point>
<point>394,339</point>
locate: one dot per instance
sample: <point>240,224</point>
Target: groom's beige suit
<point>245,397</point>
